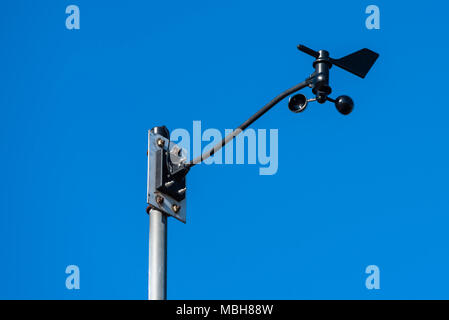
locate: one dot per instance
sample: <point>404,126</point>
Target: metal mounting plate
<point>152,193</point>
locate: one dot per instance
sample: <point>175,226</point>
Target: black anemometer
<point>358,63</point>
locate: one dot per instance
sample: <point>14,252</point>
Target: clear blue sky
<point>371,188</point>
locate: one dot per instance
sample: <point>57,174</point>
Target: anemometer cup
<point>344,105</point>
<point>297,103</point>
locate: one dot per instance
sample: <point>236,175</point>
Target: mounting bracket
<point>166,182</point>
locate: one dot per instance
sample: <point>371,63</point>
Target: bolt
<point>169,184</point>
<point>175,208</point>
<point>159,200</point>
<point>160,143</point>
<point>181,191</point>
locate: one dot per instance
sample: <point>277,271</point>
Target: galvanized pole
<point>157,270</point>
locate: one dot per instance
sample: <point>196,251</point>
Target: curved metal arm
<point>248,122</point>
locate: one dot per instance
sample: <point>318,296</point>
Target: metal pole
<point>157,268</point>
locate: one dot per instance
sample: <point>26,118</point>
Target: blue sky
<point>350,192</point>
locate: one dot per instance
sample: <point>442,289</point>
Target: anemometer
<point>358,63</point>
